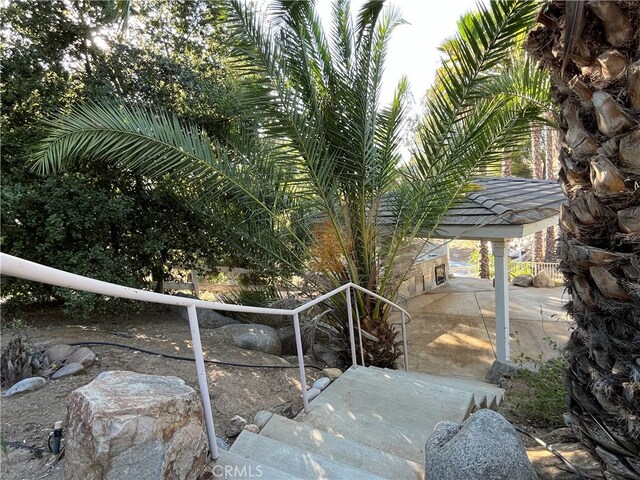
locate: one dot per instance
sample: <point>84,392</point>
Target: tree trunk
<point>538,167</point>
<point>551,140</point>
<point>506,165</point>
<point>485,267</point>
<point>599,243</point>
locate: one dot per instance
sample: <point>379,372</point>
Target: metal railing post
<point>352,336</point>
<point>405,353</point>
<point>202,379</point>
<point>360,333</point>
<point>303,376</point>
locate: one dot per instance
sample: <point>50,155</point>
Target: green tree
<point>94,219</point>
<point>590,50</point>
<point>331,188</point>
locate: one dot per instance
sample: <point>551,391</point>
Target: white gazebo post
<point>501,257</point>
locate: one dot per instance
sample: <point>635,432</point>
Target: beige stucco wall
<point>422,277</point>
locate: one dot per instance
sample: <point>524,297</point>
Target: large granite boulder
<point>59,353</point>
<point>254,337</point>
<point>327,355</point>
<point>212,319</point>
<point>287,336</point>
<point>206,318</point>
<point>27,385</point>
<point>69,369</point>
<point>522,281</point>
<point>484,446</point>
<point>130,425</point>
<point>543,280</point>
<point>500,370</point>
<point>83,356</point>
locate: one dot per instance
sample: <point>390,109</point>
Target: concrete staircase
<point>370,423</point>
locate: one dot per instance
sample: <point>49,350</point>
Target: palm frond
<point>234,182</point>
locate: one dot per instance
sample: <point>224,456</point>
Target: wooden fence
<point>196,286</point>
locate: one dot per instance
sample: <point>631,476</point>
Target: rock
<point>254,337</point>
<point>26,385</point>
<point>326,355</point>
<point>543,280</point>
<point>505,383</point>
<point>321,383</point>
<point>68,369</point>
<point>501,370</point>
<point>262,417</point>
<point>484,446</point>
<point>58,353</point>
<point>332,373</point>
<point>252,427</point>
<point>212,319</point>
<point>522,281</point>
<point>207,318</point>
<point>236,425</point>
<point>83,356</point>
<point>313,393</point>
<point>296,406</point>
<point>130,425</point>
<point>293,359</point>
<point>287,338</point>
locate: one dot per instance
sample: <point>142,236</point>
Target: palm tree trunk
<point>550,245</point>
<point>552,150</point>
<point>485,268</point>
<point>538,166</point>
<point>506,165</point>
<point>597,85</point>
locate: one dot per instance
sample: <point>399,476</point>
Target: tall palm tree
<point>332,164</point>
<point>485,261</point>
<point>591,50</point>
<point>537,157</point>
<point>552,148</point>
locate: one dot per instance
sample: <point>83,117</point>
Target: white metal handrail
<point>20,268</point>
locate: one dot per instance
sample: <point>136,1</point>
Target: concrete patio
<point>453,327</point>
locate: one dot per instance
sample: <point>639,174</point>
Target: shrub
<point>540,395</point>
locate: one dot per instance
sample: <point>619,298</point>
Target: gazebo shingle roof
<point>506,201</point>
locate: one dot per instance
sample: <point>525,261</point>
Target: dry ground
<point>28,418</point>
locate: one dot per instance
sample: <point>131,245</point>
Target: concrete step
<point>486,394</point>
<point>374,461</point>
<point>231,466</point>
<point>422,401</point>
<point>372,412</point>
<point>295,461</point>
<point>416,395</point>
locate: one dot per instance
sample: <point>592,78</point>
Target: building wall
<point>423,277</point>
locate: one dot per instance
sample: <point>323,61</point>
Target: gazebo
<point>501,209</point>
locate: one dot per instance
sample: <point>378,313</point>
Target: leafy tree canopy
<point>95,219</point>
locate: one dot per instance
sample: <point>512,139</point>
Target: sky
<point>413,49</point>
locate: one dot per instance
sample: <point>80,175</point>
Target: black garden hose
<point>37,450</point>
<point>189,359</point>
